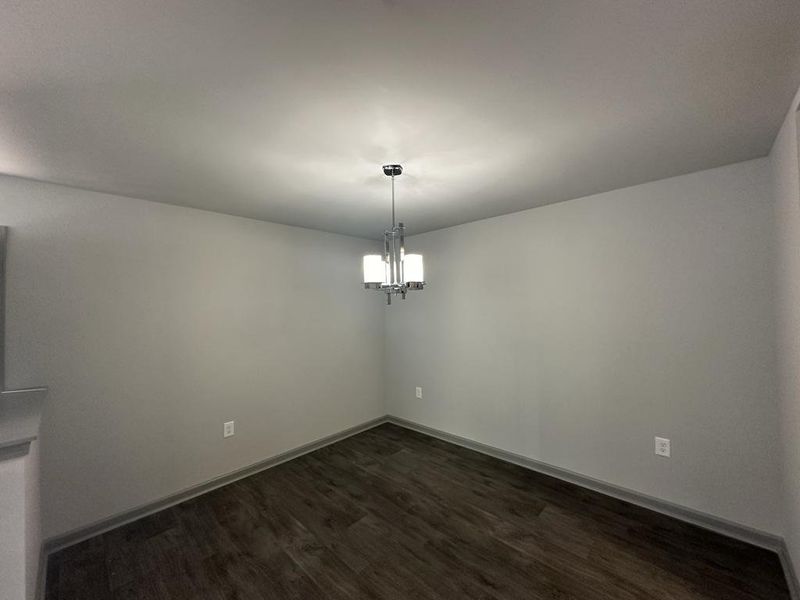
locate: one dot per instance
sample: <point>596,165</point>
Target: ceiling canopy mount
<point>392,170</point>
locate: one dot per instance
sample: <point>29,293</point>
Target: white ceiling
<point>286,110</point>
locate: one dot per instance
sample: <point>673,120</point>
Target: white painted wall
<point>20,541</point>
<point>12,529</point>
<point>786,177</point>
<point>153,324</point>
<point>571,334</point>
<point>575,333</point>
<point>33,520</point>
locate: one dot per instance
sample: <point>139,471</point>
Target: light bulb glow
<point>413,268</point>
<point>374,269</point>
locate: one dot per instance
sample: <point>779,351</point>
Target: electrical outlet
<point>662,447</point>
<point>227,429</point>
<point>419,392</point>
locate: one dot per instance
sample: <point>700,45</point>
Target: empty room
<point>399,299</point>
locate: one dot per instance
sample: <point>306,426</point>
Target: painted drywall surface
<point>33,520</point>
<point>12,528</point>
<point>153,324</point>
<point>575,333</point>
<point>786,178</point>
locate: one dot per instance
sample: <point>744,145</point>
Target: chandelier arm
<point>402,279</point>
<point>395,259</point>
<point>390,240</point>
<point>387,254</point>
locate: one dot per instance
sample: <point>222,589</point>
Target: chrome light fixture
<point>394,272</point>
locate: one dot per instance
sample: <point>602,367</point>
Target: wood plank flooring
<point>393,514</point>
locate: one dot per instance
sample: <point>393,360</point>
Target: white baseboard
<point>746,534</point>
<point>723,526</point>
<point>56,543</point>
<point>750,535</point>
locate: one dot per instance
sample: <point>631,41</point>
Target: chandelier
<point>394,272</point>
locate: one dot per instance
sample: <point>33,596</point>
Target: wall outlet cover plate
<point>663,447</point>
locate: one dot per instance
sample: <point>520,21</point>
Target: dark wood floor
<point>394,514</point>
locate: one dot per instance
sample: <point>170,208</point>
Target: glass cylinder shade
<point>413,270</point>
<point>374,269</point>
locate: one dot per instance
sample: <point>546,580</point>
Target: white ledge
<point>20,412</point>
